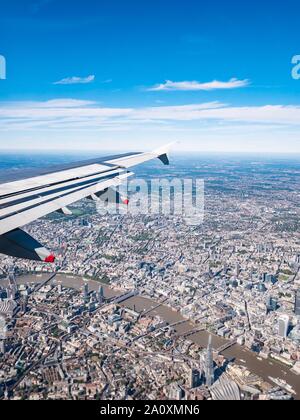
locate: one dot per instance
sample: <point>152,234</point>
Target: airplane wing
<point>39,194</point>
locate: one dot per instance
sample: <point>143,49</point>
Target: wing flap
<point>21,201</point>
<point>30,184</point>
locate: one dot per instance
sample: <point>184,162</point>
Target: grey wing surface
<point>38,194</point>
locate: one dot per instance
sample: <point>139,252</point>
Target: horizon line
<point>174,152</point>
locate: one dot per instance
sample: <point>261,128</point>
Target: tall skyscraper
<point>209,365</point>
<point>283,326</point>
<point>2,346</point>
<point>272,304</point>
<point>85,292</point>
<point>24,304</point>
<point>2,335</point>
<point>100,295</point>
<point>194,379</point>
<point>297,303</point>
<point>13,288</point>
<point>176,393</point>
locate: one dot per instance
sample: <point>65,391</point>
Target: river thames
<point>261,367</point>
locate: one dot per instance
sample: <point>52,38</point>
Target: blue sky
<point>117,74</point>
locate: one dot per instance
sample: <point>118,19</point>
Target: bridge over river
<point>184,328</point>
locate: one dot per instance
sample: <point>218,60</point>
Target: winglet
<point>163,152</point>
<point>164,159</point>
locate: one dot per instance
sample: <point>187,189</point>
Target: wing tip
<point>163,153</point>
<point>164,159</point>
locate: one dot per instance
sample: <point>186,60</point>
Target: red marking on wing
<point>50,259</point>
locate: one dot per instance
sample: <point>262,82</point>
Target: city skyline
<point>152,73</point>
<point>165,288</point>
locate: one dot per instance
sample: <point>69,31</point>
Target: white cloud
<point>197,86</point>
<point>76,80</point>
<point>71,123</point>
<point>66,114</point>
<point>54,103</point>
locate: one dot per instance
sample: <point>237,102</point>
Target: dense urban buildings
<point>129,308</point>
